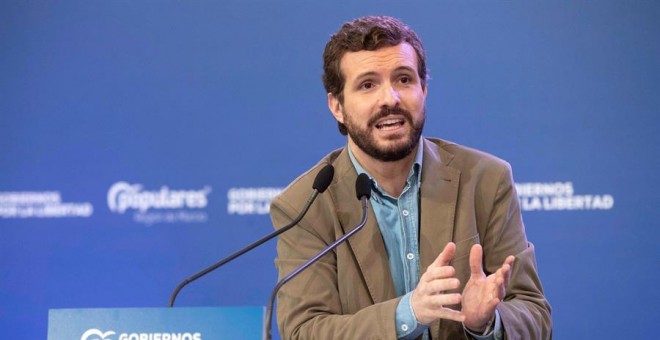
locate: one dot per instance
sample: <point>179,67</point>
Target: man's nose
<point>389,96</point>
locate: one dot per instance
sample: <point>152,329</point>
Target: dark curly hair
<point>366,33</point>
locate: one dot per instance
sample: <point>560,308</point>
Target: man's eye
<point>405,80</point>
<point>366,85</point>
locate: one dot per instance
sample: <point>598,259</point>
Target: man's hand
<point>429,298</point>
<point>482,294</point>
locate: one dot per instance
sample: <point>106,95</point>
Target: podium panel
<point>188,323</point>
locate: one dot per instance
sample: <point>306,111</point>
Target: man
<point>444,253</point>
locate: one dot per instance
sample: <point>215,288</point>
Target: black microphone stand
<point>321,183</point>
<point>242,251</point>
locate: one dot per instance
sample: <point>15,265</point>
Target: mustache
<point>387,111</point>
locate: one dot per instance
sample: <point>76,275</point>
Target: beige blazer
<point>467,197</point>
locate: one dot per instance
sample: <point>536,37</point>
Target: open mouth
<point>390,124</point>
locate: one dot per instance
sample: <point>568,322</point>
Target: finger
<point>499,286</point>
<point>437,286</point>
<point>431,307</point>
<point>500,275</point>
<point>435,273</point>
<point>501,272</point>
<point>507,276</point>
<point>445,300</point>
<point>509,260</point>
<point>493,287</point>
<point>450,314</point>
<point>476,253</point>
<point>432,273</point>
<point>499,283</point>
<point>446,255</point>
<point>504,272</point>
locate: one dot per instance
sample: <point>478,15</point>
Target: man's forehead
<point>391,57</point>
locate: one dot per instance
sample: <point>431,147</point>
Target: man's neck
<point>391,176</point>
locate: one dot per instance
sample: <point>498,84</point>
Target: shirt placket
<point>409,249</point>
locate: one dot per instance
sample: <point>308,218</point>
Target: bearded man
<point>444,253</point>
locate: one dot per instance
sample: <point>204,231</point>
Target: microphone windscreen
<point>323,178</point>
<point>363,186</point>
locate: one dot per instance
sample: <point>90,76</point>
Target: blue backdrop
<point>142,141</point>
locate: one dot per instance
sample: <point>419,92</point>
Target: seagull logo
<point>95,334</point>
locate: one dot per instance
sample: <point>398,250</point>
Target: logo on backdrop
<point>41,204</point>
<point>559,196</point>
<point>159,206</point>
<point>95,334</point>
<point>250,201</point>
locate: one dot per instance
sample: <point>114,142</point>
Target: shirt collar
<point>415,172</point>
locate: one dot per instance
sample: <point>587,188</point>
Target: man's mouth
<point>390,124</point>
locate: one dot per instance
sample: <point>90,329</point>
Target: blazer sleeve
<point>525,313</point>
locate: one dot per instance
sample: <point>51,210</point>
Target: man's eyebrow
<point>404,68</point>
<point>372,73</point>
<point>365,75</point>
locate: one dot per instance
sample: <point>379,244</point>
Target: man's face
<point>383,107</point>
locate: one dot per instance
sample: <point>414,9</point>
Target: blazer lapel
<point>439,192</point>
<point>367,244</point>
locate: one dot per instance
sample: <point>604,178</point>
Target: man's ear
<point>335,107</point>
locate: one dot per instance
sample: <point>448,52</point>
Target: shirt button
<point>410,256</point>
<point>404,327</point>
<point>405,213</point>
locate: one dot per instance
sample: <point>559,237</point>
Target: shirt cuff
<point>407,326</point>
<point>494,332</point>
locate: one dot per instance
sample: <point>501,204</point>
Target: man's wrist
<point>487,328</point>
<point>493,330</point>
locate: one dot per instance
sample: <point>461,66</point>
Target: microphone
<point>363,192</point>
<point>321,183</point>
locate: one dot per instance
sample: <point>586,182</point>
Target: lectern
<point>179,323</point>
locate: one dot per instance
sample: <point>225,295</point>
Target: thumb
<point>476,254</point>
<point>447,254</point>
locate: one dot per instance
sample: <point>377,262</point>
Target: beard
<point>365,140</point>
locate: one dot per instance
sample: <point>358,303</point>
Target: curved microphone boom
<point>321,183</point>
<point>363,192</point>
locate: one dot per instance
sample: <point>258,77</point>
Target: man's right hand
<point>429,297</point>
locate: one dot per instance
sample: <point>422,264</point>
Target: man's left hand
<point>483,293</point>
